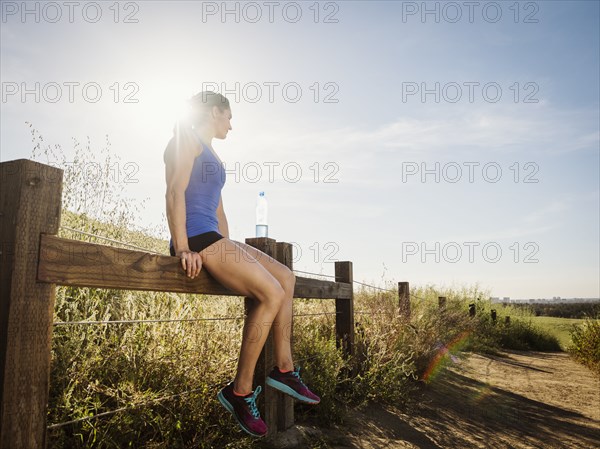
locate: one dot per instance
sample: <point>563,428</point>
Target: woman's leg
<point>288,383</point>
<point>239,271</point>
<point>282,325</point>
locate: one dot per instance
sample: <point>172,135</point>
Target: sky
<point>440,143</point>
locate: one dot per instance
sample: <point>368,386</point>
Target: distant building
<point>553,300</point>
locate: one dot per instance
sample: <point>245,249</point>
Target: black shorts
<point>201,241</point>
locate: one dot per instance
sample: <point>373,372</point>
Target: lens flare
<point>444,350</point>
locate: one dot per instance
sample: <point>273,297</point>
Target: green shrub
<point>586,343</point>
<point>166,375</point>
<point>519,334</point>
<point>525,336</point>
<point>322,367</point>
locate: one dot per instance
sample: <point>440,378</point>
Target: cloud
<point>508,233</point>
<point>531,129</point>
<point>547,212</point>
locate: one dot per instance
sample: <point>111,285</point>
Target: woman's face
<point>222,122</point>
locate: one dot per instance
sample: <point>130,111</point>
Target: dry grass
<point>145,367</point>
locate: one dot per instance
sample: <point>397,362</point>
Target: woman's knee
<point>289,282</point>
<point>273,296</point>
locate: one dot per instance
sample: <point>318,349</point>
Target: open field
<point>559,327</point>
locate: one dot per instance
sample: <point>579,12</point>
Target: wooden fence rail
<point>35,260</point>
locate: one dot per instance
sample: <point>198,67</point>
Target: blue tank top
<point>203,193</point>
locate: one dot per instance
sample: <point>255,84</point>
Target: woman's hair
<point>200,105</point>
<point>208,99</point>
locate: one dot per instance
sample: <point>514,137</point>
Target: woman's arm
<point>223,225</point>
<point>179,161</point>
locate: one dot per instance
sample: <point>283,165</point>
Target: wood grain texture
<point>317,288</point>
<point>34,260</point>
<point>404,300</point>
<point>442,302</point>
<point>344,319</point>
<point>30,203</point>
<point>285,404</point>
<point>269,399</point>
<point>83,264</point>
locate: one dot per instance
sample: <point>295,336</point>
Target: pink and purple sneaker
<point>244,410</point>
<point>291,384</point>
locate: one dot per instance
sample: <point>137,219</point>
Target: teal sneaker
<point>244,410</point>
<point>291,384</point>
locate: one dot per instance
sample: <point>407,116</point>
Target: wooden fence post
<point>285,405</point>
<point>344,318</point>
<point>442,302</point>
<point>404,300</point>
<point>265,360</point>
<point>30,204</point>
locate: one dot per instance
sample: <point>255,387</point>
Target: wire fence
<point>153,401</point>
<point>315,314</point>
<point>107,239</point>
<point>122,409</point>
<point>109,322</point>
<point>118,242</point>
<point>387,290</point>
<point>63,323</point>
<point>130,407</point>
<point>181,320</point>
<point>329,276</point>
<point>112,322</point>
<point>417,297</point>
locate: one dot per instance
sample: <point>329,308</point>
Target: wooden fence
<point>35,260</point>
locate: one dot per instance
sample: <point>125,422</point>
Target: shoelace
<point>296,373</point>
<point>251,401</point>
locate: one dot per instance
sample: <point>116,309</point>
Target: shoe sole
<point>231,410</point>
<point>289,390</point>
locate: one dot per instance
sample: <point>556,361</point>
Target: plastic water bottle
<point>262,228</point>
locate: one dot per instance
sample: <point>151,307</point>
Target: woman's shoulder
<point>180,146</point>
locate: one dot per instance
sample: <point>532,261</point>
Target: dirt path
<point>518,401</point>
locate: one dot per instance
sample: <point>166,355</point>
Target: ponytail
<point>199,106</point>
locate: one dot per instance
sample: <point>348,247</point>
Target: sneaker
<point>244,410</point>
<point>290,383</point>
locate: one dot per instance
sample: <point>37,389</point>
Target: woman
<point>200,238</point>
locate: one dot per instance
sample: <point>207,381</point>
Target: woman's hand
<point>191,261</point>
